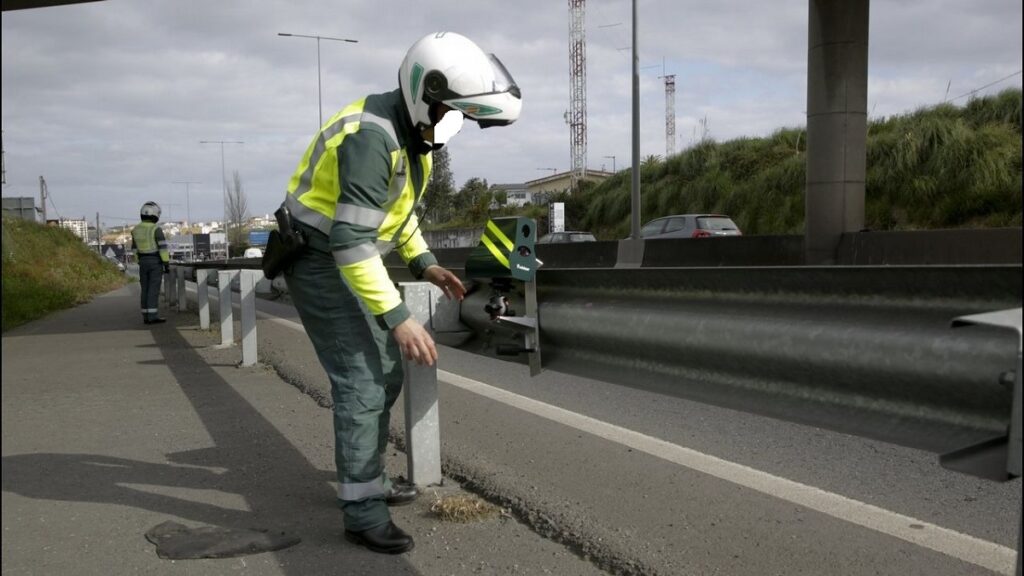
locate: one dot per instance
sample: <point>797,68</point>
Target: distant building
<point>197,247</point>
<point>79,227</point>
<point>516,195</point>
<point>262,222</point>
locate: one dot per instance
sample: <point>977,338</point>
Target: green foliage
<point>438,199</point>
<point>47,269</point>
<point>471,205</point>
<point>941,167</point>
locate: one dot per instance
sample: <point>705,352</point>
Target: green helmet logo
<point>414,81</point>
<point>474,109</point>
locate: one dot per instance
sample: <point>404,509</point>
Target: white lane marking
<point>980,552</point>
<point>281,321</point>
<point>989,555</point>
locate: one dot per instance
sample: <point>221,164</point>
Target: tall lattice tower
<point>577,117</point>
<point>670,115</point>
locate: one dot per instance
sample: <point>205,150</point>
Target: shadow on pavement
<point>282,488</point>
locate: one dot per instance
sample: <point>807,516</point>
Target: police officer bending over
<point>353,197</point>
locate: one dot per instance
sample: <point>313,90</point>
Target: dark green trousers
<point>364,366</point>
<point>151,273</point>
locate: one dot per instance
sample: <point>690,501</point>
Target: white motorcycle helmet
<point>449,68</point>
<point>150,209</point>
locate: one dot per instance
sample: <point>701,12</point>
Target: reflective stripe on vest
<point>360,215</point>
<point>313,210</point>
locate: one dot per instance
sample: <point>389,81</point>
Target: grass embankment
<point>47,269</point>
<point>941,167</point>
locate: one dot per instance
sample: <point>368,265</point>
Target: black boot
<point>385,539</point>
<point>156,320</point>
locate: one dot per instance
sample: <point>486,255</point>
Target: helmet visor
<point>503,81</point>
<point>498,106</point>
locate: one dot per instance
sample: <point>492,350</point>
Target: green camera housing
<point>506,250</point>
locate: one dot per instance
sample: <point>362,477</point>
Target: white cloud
<point>109,100</point>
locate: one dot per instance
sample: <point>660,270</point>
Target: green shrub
<point>46,269</point>
<point>939,167</point>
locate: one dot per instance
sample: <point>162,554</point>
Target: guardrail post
<point>422,429</point>
<point>179,274</point>
<point>1007,319</point>
<point>247,289</point>
<point>170,289</point>
<point>203,298</point>
<point>227,323</point>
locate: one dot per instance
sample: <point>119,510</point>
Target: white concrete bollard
<point>203,297</point>
<point>179,274</point>
<point>247,288</point>
<point>227,323</point>
<point>170,288</point>
<point>422,428</point>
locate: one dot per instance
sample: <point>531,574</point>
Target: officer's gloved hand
<point>167,268</point>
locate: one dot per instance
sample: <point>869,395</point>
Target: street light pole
<point>613,162</point>
<point>188,201</point>
<point>319,90</point>
<point>224,180</point>
<point>188,213</point>
<point>634,189</point>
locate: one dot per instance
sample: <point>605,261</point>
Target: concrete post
<point>247,288</point>
<point>170,288</point>
<point>837,82</point>
<point>227,323</point>
<point>203,297</point>
<point>422,428</point>
<point>179,275</point>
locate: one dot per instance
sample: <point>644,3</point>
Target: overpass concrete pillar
<point>837,99</point>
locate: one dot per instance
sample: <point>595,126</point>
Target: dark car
<point>565,237</point>
<point>690,226</point>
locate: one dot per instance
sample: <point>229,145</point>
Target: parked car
<point>690,226</point>
<point>565,237</point>
<point>253,253</point>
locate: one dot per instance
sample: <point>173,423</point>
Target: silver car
<point>690,226</point>
<point>564,237</point>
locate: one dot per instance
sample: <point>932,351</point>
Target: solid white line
<point>989,555</point>
<point>980,552</point>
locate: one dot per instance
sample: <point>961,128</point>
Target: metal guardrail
<point>862,350</point>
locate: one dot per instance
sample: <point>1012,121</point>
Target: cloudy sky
<point>109,100</point>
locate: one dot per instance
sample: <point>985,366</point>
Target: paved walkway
<point>111,427</point>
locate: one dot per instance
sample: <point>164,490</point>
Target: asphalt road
<point>647,483</point>
<point>110,428</point>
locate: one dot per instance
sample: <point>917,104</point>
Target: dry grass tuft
<point>463,509</point>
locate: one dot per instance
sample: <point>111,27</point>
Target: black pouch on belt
<point>283,246</point>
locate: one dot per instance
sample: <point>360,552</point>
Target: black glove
<point>167,268</point>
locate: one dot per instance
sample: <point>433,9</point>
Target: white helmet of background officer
<point>449,68</point>
<point>150,209</point>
